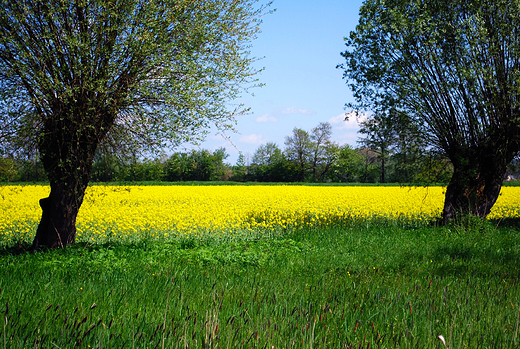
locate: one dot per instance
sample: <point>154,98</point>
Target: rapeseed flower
<point>126,213</point>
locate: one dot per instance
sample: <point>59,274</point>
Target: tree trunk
<point>57,227</point>
<point>67,151</point>
<point>383,174</point>
<point>475,184</point>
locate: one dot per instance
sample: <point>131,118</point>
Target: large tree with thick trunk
<point>152,73</point>
<point>454,68</point>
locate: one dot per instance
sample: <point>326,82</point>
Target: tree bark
<point>67,149</point>
<point>476,182</point>
<point>383,173</point>
<point>57,227</point>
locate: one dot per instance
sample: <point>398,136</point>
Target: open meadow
<point>261,267</point>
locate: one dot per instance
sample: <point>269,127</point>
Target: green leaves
<point>158,69</point>
<point>448,65</point>
<point>453,68</point>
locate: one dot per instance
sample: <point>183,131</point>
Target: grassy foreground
<point>374,284</point>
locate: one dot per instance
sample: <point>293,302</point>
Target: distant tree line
<point>382,156</point>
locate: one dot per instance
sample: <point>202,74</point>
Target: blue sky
<point>301,43</point>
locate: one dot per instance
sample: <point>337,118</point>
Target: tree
<point>8,169</point>
<point>222,171</point>
<point>434,167</point>
<point>105,167</point>
<point>74,73</point>
<point>370,171</point>
<point>137,170</point>
<point>513,170</point>
<point>267,154</point>
<point>312,153</point>
<point>240,170</point>
<point>323,150</point>
<point>176,167</point>
<point>379,137</point>
<point>454,68</point>
<point>347,165</point>
<point>409,150</point>
<point>269,164</point>
<point>298,149</point>
<point>397,142</point>
<point>201,166</point>
<point>197,165</point>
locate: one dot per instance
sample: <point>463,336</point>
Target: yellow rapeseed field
<point>136,212</point>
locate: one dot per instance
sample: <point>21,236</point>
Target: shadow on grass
<point>460,260</point>
<point>25,248</point>
<point>507,222</point>
<point>16,250</point>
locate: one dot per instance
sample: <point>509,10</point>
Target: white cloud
<point>349,137</point>
<point>346,131</point>
<point>339,122</point>
<point>252,139</point>
<point>266,118</point>
<point>296,110</point>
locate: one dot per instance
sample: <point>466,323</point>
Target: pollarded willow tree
<point>75,74</point>
<point>454,68</point>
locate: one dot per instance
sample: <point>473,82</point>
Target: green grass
<point>513,183</point>
<point>376,284</point>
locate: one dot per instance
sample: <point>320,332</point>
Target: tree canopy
<point>454,69</point>
<point>152,73</point>
<point>161,71</point>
